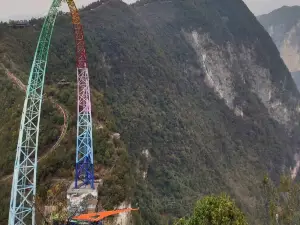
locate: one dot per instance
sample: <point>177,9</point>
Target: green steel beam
<point>23,191</point>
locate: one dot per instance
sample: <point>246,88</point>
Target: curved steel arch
<point>23,190</point>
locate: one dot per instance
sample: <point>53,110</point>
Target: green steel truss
<point>22,210</point>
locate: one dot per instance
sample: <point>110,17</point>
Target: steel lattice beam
<point>23,190</point>
<point>84,174</point>
<point>24,180</point>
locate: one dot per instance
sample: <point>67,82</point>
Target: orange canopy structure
<point>94,217</point>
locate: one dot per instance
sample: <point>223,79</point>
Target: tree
<point>182,221</point>
<point>281,201</point>
<point>270,198</point>
<point>215,210</point>
<point>58,209</point>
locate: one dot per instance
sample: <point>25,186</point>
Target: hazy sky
<point>259,7</point>
<point>24,9</point>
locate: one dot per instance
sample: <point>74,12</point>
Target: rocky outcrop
<point>226,66</point>
<point>124,218</point>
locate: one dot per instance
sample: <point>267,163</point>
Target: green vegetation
<point>148,85</point>
<point>109,154</point>
<point>281,201</point>
<point>215,210</point>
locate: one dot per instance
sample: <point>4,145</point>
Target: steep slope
<point>198,92</point>
<point>283,26</point>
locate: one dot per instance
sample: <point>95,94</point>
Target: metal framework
<point>84,174</point>
<point>23,191</point>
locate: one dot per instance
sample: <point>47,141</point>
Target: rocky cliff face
<point>219,64</point>
<point>200,96</point>
<point>283,26</point>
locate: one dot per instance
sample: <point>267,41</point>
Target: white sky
<point>259,7</point>
<point>25,9</point>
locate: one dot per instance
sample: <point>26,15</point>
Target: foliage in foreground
<point>281,202</point>
<point>215,210</point>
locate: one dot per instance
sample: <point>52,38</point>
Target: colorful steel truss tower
<point>84,174</point>
<point>22,204</point>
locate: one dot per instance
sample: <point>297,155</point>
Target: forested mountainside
<point>283,26</point>
<point>197,90</point>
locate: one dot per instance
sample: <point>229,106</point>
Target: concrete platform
<point>82,200</point>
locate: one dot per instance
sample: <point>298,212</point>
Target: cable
<point>70,217</point>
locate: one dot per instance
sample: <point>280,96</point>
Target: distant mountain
<point>261,7</point>
<point>283,26</point>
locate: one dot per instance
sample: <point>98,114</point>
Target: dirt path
<point>59,107</point>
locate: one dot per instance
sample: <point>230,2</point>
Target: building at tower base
<point>82,200</point>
